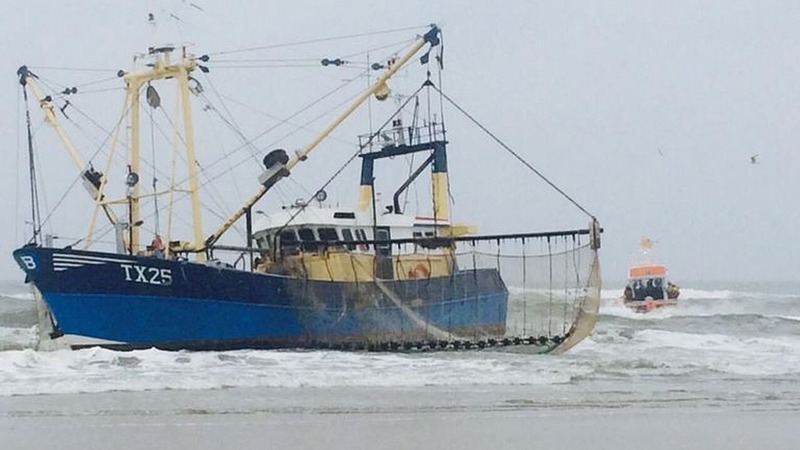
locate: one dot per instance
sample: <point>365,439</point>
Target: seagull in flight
<point>753,159</point>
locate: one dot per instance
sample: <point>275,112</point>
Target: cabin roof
<point>645,270</point>
<point>342,217</point>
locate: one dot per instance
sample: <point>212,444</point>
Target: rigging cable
<point>550,288</point>
<point>80,128</point>
<point>282,122</point>
<point>323,114</point>
<point>102,80</point>
<point>350,159</point>
<point>429,125</point>
<point>344,60</point>
<point>566,284</point>
<point>413,126</point>
<point>369,100</point>
<point>153,153</point>
<point>515,154</point>
<point>524,289</point>
<point>279,64</point>
<point>100,147</point>
<point>73,69</point>
<point>212,194</point>
<point>231,123</point>
<point>95,91</point>
<point>398,46</point>
<point>286,120</point>
<point>410,161</point>
<point>314,41</point>
<point>233,127</point>
<point>17,172</point>
<point>269,66</point>
<point>80,174</point>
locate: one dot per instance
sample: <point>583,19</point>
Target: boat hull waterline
<point>648,305</point>
<point>141,302</point>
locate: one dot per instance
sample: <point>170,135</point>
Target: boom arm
<point>91,178</point>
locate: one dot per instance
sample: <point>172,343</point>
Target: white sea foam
<point>705,303</point>
<point>662,352</point>
<point>18,295</point>
<point>794,318</point>
<point>611,294</point>
<point>701,294</point>
<point>96,370</point>
<point>625,345</point>
<point>12,338</point>
<point>686,293</point>
<point>609,353</point>
<point>709,294</point>
<point>615,307</point>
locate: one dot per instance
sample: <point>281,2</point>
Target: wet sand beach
<point>364,418</point>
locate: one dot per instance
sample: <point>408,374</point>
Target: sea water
<point>742,341</point>
<point>713,366</point>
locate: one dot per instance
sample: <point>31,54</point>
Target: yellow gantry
<point>163,68</point>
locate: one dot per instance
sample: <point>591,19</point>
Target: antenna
<point>159,19</point>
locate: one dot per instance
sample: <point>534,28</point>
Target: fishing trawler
<point>309,275</point>
<point>648,287</point>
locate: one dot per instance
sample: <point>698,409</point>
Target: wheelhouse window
<point>384,249</point>
<point>328,234</point>
<point>288,241</point>
<point>306,234</point>
<point>362,236</point>
<point>347,236</point>
<point>288,237</point>
<point>416,235</point>
<point>262,242</point>
<point>308,240</point>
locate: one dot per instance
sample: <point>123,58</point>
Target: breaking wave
<point>719,334</point>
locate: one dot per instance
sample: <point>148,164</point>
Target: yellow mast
<point>183,81</point>
<point>134,87</point>
<point>162,68</point>
<point>377,88</point>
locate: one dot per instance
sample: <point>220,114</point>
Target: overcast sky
<point>647,113</point>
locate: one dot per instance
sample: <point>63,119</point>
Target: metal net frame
<point>531,290</point>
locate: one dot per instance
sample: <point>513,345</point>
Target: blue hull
<point>142,302</point>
